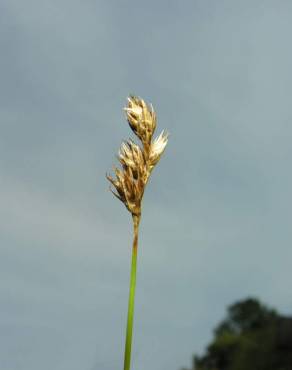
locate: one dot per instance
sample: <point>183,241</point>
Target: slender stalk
<point>127,359</point>
<point>137,163</point>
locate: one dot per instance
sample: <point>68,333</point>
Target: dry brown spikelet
<point>137,163</point>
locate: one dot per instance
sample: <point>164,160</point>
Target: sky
<point>216,221</point>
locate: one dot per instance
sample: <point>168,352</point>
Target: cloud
<point>29,214</point>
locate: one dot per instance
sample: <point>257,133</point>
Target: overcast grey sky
<point>216,223</point>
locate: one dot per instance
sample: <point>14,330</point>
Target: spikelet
<point>141,119</point>
<point>157,148</point>
<point>137,163</point>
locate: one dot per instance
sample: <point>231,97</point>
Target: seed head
<point>137,163</point>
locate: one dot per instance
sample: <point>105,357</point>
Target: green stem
<point>127,359</point>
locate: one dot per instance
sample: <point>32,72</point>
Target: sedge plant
<point>137,164</point>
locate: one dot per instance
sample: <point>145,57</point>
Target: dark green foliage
<point>252,337</point>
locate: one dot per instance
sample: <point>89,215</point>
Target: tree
<point>246,315</point>
<point>251,337</point>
